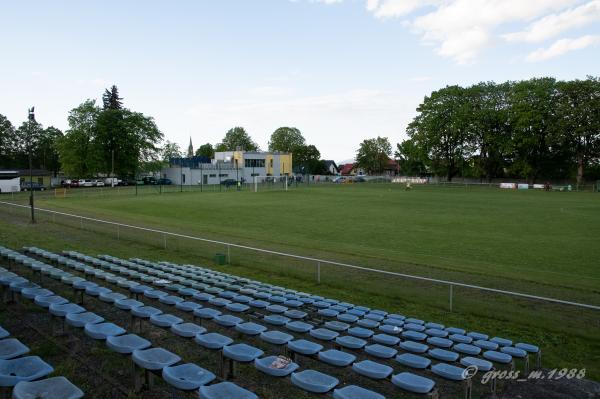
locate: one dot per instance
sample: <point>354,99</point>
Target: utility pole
<point>112,168</point>
<point>31,120</point>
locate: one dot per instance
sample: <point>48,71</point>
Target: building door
<point>204,179</point>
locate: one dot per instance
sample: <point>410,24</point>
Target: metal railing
<point>318,262</point>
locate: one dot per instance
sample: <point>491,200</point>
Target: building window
<point>254,163</point>
<point>214,175</point>
<point>223,175</point>
<point>183,178</point>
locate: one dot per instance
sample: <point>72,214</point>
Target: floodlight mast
<point>30,121</point>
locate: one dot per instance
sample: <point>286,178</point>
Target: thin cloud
<point>563,46</point>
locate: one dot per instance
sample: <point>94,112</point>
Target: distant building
<point>391,168</point>
<point>190,151</point>
<point>331,167</point>
<point>242,166</point>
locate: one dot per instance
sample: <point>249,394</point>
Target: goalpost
<point>269,183</point>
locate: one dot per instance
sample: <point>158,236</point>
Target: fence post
<point>318,272</point>
<point>450,297</point>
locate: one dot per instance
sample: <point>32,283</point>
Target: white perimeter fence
<point>318,262</point>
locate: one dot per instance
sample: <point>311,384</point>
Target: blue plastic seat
<point>28,368</point>
<point>46,301</point>
<point>50,388</point>
<point>276,308</point>
<point>145,312</point>
<point>350,342</point>
<point>390,329</point>
<point>434,332</point>
<point>413,383</point>
<point>436,326</point>
<point>206,313</point>
<point>220,302</point>
<point>277,299</point>
<point>165,320</point>
<point>497,357</point>
<point>276,337</point>
<point>170,299</point>
<point>299,326</point>
<point>360,332</point>
<point>396,316</point>
<point>3,333</point>
<point>127,343</point>
<point>356,312</point>
<point>304,347</point>
<point>501,341</point>
<point>460,338</point>
<point>528,347</point>
<point>155,294</point>
<point>103,330</point>
<point>326,312</point>
<point>449,371</point>
<point>227,320</point>
<point>265,365</point>
<point>467,349</point>
<point>414,327</point>
<point>514,352</point>
<point>486,345</point>
<point>250,328</point>
<point>337,326</point>
<point>414,321</point>
<point>259,304</point>
<point>154,358</point>
<point>443,355</point>
<point>323,334</point>
<point>187,330</point>
<point>393,322</point>
<point>355,392</point>
<point>242,352</point>
<point>372,369</point>
<point>440,342</point>
<point>61,310</point>
<point>187,306</point>
<point>414,347</point>
<point>79,320</point>
<point>31,293</point>
<point>336,358</point>
<point>478,336</point>
<point>381,351</point>
<point>213,340</point>
<point>314,381</point>
<point>414,336</point>
<point>455,330</point>
<point>347,317</point>
<point>374,316</point>
<point>96,290</point>
<point>295,314</point>
<point>139,289</point>
<point>237,307</point>
<point>128,304</point>
<point>368,323</point>
<point>481,364</point>
<point>111,297</point>
<point>385,339</point>
<point>321,304</point>
<point>203,296</point>
<point>187,376</point>
<point>242,299</point>
<point>293,303</point>
<point>414,361</point>
<point>225,390</point>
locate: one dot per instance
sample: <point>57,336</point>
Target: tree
<point>170,150</point>
<point>111,99</point>
<point>307,159</point>
<point>442,127</point>
<point>47,155</point>
<point>28,138</point>
<point>374,154</point>
<point>138,145</point>
<point>579,121</point>
<point>206,150</point>
<point>78,154</point>
<point>286,139</point>
<point>7,142</point>
<point>237,138</point>
<point>411,157</point>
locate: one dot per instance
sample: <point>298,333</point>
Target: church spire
<point>190,151</point>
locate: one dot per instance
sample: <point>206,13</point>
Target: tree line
<point>534,129</point>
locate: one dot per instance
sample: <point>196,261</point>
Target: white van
<point>10,182</point>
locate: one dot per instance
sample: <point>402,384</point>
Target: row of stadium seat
<point>239,352</point>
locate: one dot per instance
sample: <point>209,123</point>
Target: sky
<point>341,71</point>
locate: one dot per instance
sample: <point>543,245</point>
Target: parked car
<point>26,186</point>
<point>110,181</point>
<point>150,180</point>
<point>359,179</point>
<point>73,183</point>
<point>165,181</point>
<point>229,182</point>
<point>86,183</point>
<point>98,183</point>
<point>340,179</point>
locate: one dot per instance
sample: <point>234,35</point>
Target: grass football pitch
<point>540,243</point>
